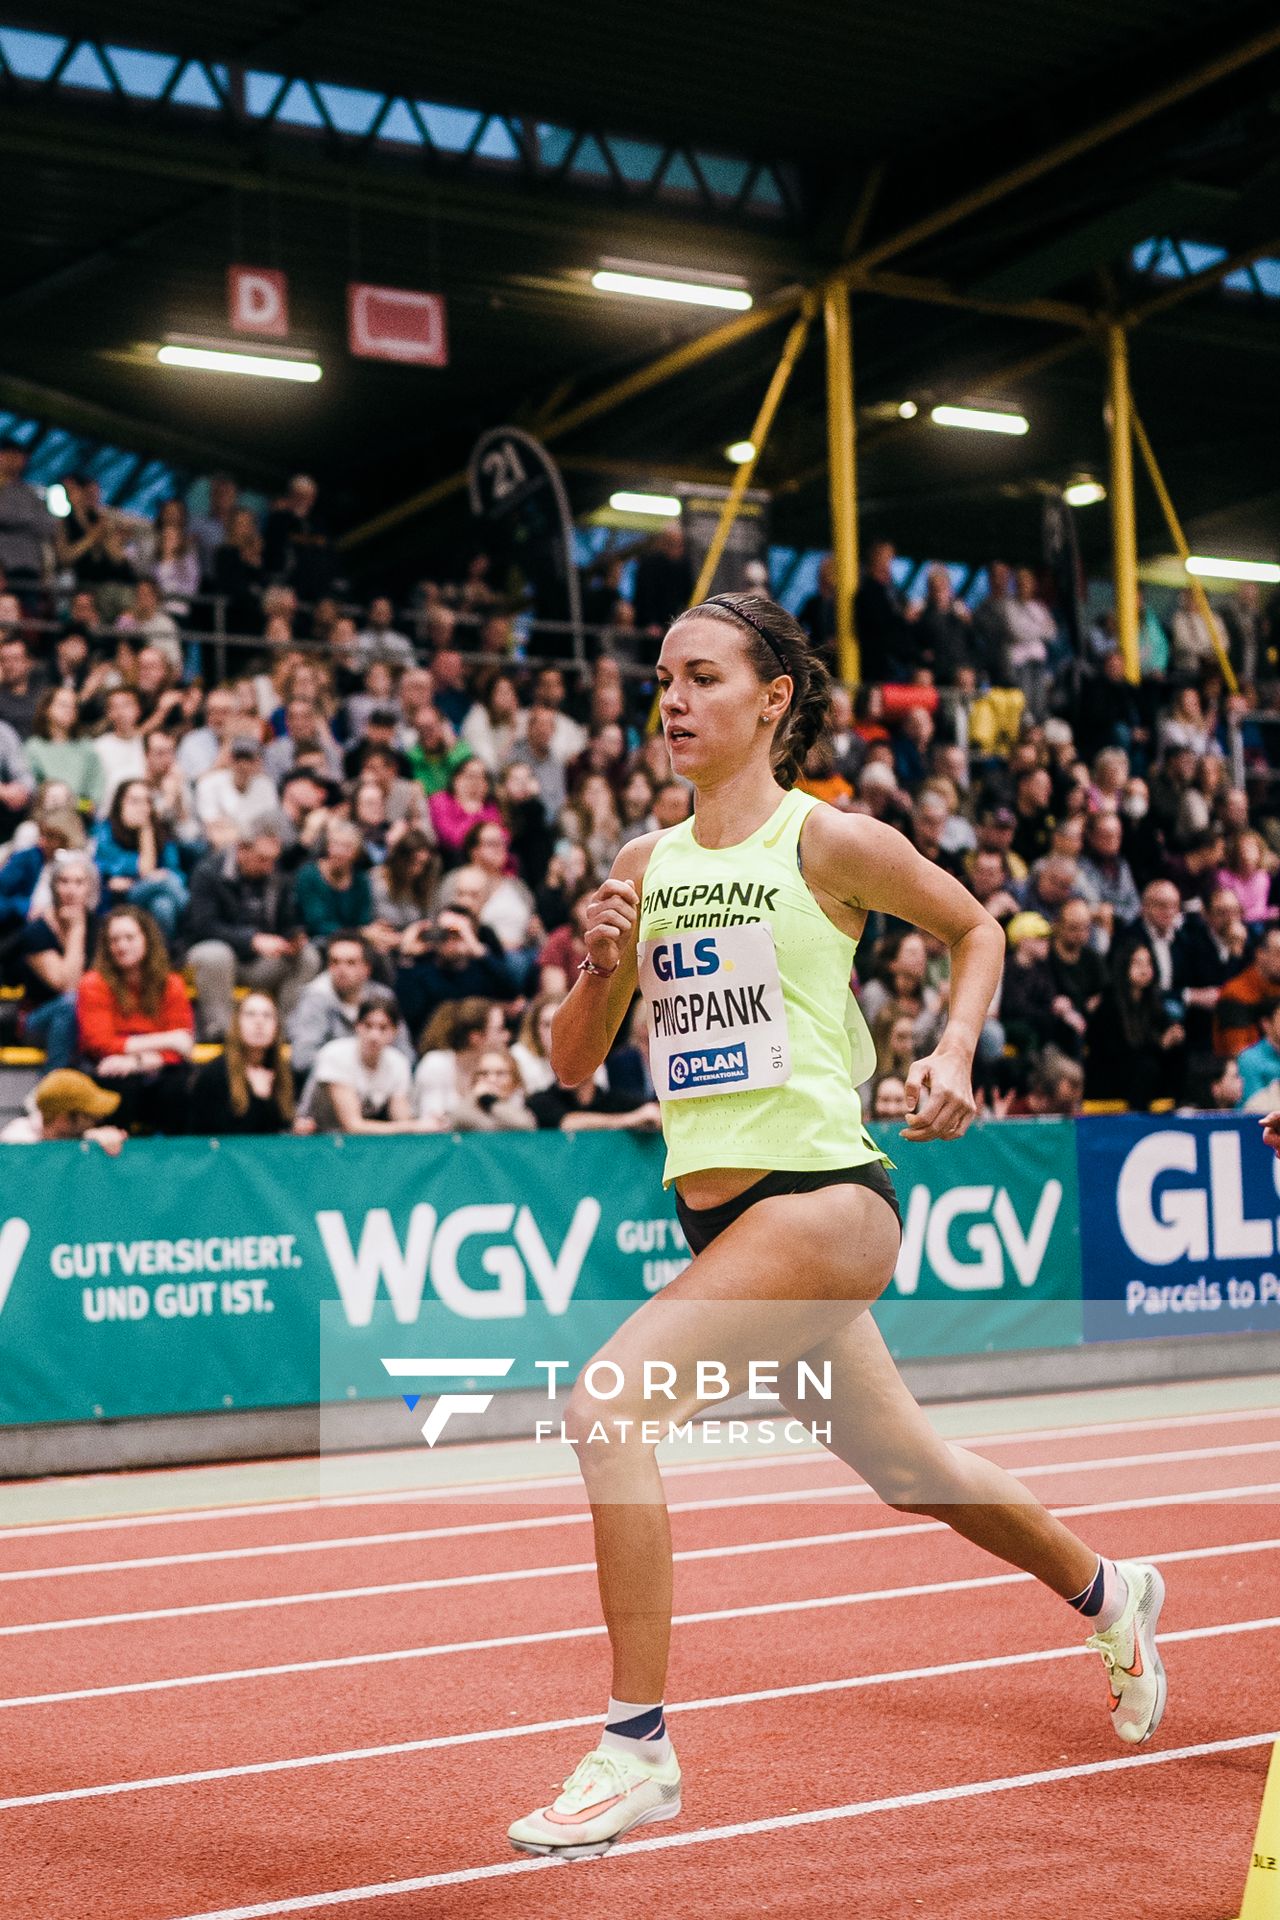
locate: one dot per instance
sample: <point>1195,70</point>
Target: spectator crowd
<point>350,864</point>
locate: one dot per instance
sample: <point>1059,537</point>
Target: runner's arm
<point>868,865</point>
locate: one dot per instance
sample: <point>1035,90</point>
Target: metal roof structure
<point>990,178</point>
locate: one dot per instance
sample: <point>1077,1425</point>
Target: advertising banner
<point>188,1275</point>
<point>990,1257</point>
<point>1179,1235</point>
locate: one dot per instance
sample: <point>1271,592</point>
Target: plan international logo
<point>711,1067</point>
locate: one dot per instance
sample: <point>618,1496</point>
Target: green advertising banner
<point>191,1275</point>
<point>990,1256</point>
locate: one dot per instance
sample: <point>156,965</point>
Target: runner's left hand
<point>940,1101</point>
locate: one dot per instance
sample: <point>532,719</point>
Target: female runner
<point>740,926</point>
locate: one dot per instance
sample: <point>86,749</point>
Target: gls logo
<point>1182,1222</point>
<point>686,959</point>
<point>429,1369</point>
<point>927,1233</point>
<point>434,1244</point>
<point>14,1236</point>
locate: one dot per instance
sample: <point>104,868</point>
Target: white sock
<point>1115,1596</point>
<point>1104,1599</point>
<point>638,1729</point>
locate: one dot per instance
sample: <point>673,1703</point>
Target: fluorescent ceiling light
<point>908,410</point>
<point>217,360</point>
<point>979,420</point>
<point>1263,570</point>
<point>740,453</point>
<point>694,293</point>
<point>1084,493</point>
<point>663,506</point>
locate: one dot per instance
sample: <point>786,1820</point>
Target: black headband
<point>740,613</point>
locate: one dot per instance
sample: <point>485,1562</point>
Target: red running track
<point>901,1726</point>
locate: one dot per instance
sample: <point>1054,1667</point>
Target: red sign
<point>392,323</point>
<point>258,298</point>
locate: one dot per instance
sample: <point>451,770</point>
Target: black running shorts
<point>702,1225</point>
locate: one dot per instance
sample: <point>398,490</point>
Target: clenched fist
<point>611,914</point>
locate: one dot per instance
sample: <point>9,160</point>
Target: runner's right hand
<point>611,914</point>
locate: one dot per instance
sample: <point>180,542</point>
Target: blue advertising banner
<point>1179,1226</point>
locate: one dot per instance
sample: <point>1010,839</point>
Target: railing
<point>618,641</point>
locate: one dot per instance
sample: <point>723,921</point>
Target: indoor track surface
<point>255,1699</point>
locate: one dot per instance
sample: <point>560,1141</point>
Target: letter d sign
<point>258,301</point>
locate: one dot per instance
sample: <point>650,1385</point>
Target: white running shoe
<point>1135,1671</point>
<point>607,1794</point>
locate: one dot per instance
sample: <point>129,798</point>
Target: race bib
<point>717,1023</point>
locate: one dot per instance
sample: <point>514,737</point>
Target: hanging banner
<point>516,489</point>
<point>743,566</point>
<point>258,301</point>
<point>397,323</point>
<point>1182,1228</point>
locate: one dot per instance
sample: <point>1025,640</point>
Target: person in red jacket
<point>135,1021</point>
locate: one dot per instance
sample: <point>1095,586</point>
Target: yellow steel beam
<point>1124,534</point>
<point>936,293</point>
<point>843,474</point>
<point>1067,150</point>
<point>1179,538</point>
<point>763,421</point>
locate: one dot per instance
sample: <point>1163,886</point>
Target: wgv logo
<point>448,1403</point>
<point>994,1233</point>
<point>712,1067</point>
<point>686,959</point>
<point>1176,1223</point>
<point>433,1246</point>
<point>14,1236</point>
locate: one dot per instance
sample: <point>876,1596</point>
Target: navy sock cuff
<point>1089,1601</point>
<point>650,1725</point>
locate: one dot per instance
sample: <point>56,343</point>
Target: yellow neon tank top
<point>721,930</point>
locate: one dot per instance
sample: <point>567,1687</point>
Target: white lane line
<point>743,1829</point>
<point>437,1743</point>
<point>573,1633</point>
<point>480,1489</point>
<point>506,1576</point>
<point>790,1497</point>
<point>558,1569</point>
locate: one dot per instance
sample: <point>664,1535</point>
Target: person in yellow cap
<point>67,1106</point>
<point>1028,993</point>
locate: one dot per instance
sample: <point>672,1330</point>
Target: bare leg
<point>738,1302</point>
<point>879,1430</point>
